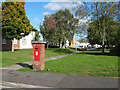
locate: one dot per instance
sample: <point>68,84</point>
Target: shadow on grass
<point>66,51</point>
<point>113,52</point>
<point>78,49</point>
<point>25,65</point>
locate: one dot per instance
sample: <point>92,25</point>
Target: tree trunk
<point>108,46</point>
<point>47,45</point>
<point>63,46</point>
<point>103,38</point>
<point>60,44</point>
<point>12,45</point>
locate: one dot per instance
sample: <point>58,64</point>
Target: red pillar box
<point>38,55</point>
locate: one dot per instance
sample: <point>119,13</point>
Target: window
<point>23,41</point>
<point>3,41</point>
<point>15,41</point>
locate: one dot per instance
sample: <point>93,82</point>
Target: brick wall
<point>7,46</point>
<point>17,46</point>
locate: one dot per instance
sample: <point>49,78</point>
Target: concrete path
<point>58,80</point>
<point>26,64</point>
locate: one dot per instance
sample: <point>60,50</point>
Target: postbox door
<point>36,53</point>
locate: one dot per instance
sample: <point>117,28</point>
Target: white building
<point>84,44</point>
<point>23,43</point>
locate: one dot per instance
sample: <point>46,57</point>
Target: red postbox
<point>38,55</point>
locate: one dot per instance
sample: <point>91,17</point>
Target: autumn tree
<point>49,30</point>
<point>96,10</point>
<point>15,23</point>
<point>59,27</point>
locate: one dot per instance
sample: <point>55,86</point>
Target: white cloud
<point>53,6</point>
<point>46,13</point>
<point>84,20</point>
<point>36,20</point>
<point>62,4</point>
<point>59,5</point>
<point>61,0</point>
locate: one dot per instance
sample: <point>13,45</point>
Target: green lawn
<point>86,63</point>
<point>24,55</point>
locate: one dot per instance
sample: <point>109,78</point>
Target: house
<point>84,44</point>
<point>97,46</point>
<point>23,43</point>
<point>74,43</point>
<point>67,44</point>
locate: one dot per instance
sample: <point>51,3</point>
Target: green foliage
<point>95,11</point>
<point>37,36</point>
<point>66,25</point>
<point>95,35</point>
<point>48,29</point>
<point>14,20</point>
<point>59,27</point>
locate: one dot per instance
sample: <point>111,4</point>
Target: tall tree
<point>48,29</point>
<point>66,25</point>
<point>111,31</point>
<point>96,10</point>
<point>15,23</point>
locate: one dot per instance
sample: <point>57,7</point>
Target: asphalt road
<point>58,80</point>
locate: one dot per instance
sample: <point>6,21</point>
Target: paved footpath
<point>20,79</point>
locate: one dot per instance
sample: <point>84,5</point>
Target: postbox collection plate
<point>36,53</point>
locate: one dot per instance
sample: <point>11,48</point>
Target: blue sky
<point>36,11</point>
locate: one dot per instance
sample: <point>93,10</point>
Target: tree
<point>15,23</point>
<point>95,36</point>
<point>95,10</point>
<point>37,36</point>
<point>66,26</point>
<point>59,27</point>
<point>48,29</point>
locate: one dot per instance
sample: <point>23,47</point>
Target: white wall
<point>67,43</point>
<point>84,44</point>
<point>77,43</point>
<point>97,46</point>
<point>28,43</point>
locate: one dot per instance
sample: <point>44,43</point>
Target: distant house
<point>97,46</point>
<point>74,43</point>
<point>67,44</point>
<point>84,44</point>
<point>23,43</point>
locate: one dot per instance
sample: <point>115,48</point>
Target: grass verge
<point>24,55</point>
<point>86,63</point>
